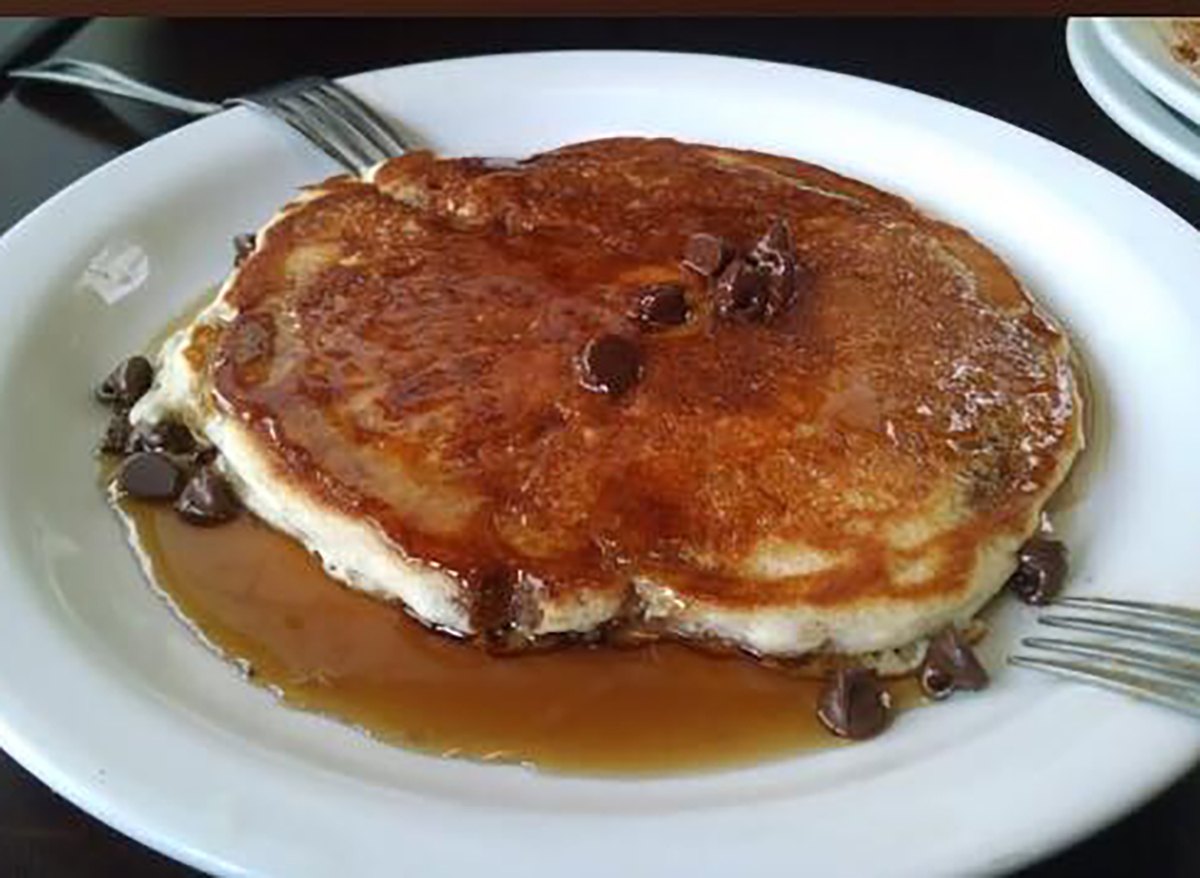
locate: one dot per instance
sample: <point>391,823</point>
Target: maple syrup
<point>262,600</point>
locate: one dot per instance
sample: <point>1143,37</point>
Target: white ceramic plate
<point>1144,117</point>
<point>113,703</point>
<point>1141,46</point>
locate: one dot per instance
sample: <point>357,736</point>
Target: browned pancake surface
<point>408,351</point>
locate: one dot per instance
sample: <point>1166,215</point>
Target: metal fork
<point>325,113</point>
<point>1167,672</point>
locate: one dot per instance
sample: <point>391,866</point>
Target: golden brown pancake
<point>401,358</point>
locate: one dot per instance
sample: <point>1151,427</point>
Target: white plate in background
<point>115,704</point>
<point>1139,113</point>
<point>1141,46</point>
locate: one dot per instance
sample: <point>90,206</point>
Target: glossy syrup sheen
<point>263,600</point>
<point>408,351</point>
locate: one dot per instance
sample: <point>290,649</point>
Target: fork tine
<point>332,147</point>
<point>1183,616</point>
<point>1179,697</point>
<point>336,125</point>
<point>1166,637</point>
<point>381,133</point>
<point>332,118</point>
<point>1137,659</point>
<point>352,127</point>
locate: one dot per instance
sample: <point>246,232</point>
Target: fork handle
<point>99,77</point>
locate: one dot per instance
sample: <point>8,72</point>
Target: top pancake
<point>850,475</point>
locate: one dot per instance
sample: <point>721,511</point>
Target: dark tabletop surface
<point>1015,69</point>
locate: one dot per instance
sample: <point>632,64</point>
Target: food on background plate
<point>1183,39</point>
<point>626,391</point>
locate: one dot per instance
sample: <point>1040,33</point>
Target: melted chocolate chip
<point>950,664</point>
<point>117,434</point>
<point>935,682</point>
<point>150,475</point>
<point>661,305</point>
<point>170,436</point>
<point>1041,570</point>
<point>853,704</point>
<point>741,291</point>
<point>207,499</point>
<point>706,254</point>
<point>610,364</point>
<point>126,384</point>
<point>762,284</point>
<point>243,246</point>
<point>775,258</point>
<point>495,610</point>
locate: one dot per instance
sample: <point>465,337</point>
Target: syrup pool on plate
<point>262,600</point>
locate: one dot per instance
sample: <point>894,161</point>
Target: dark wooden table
<point>1014,69</point>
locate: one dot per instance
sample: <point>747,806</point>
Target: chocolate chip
<point>1041,570</point>
<point>706,254</point>
<point>935,683</point>
<point>207,499</point>
<point>610,364</point>
<point>495,609</point>
<point>741,291</point>
<point>150,475</point>
<point>661,305</point>
<point>170,436</point>
<point>126,384</point>
<point>764,283</point>
<point>853,704</point>
<point>775,258</point>
<point>774,249</point>
<point>950,664</point>
<point>116,434</point>
<point>243,246</point>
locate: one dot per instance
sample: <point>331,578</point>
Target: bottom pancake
<point>671,389</point>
